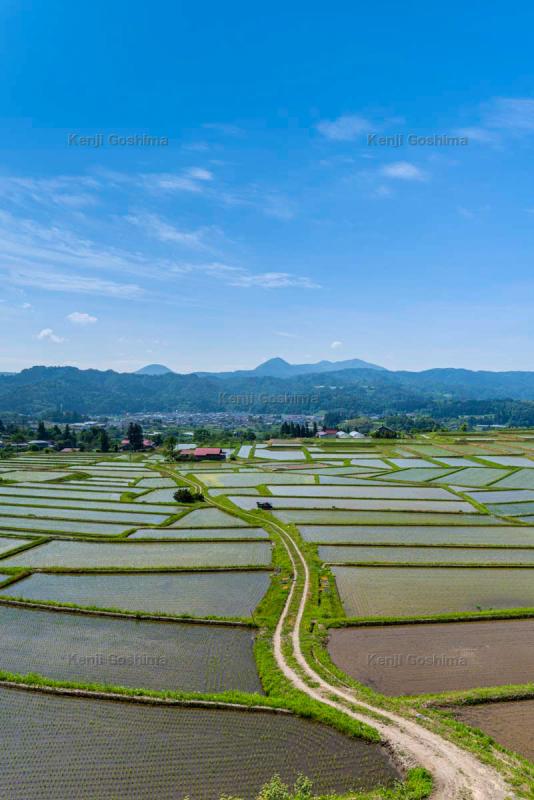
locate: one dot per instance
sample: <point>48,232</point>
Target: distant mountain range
<point>331,386</point>
<point>278,368</point>
<point>274,367</point>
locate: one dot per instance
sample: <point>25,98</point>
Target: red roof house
<point>215,453</point>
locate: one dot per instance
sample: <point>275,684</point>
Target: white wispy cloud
<point>24,242</point>
<point>47,334</point>
<point>246,278</point>
<point>76,284</point>
<point>336,345</point>
<point>200,174</point>
<point>287,335</point>
<point>191,179</point>
<point>404,171</point>
<point>345,128</point>
<point>501,118</point>
<point>157,227</point>
<point>272,280</point>
<point>226,128</point>
<point>514,114</point>
<point>466,213</point>
<point>81,318</point>
<point>68,191</point>
<point>479,134</point>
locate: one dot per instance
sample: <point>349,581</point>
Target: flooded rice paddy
<point>103,749</point>
<point>416,591</point>
<point>197,594</point>
<point>80,555</point>
<point>127,652</point>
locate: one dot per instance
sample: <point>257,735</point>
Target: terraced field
<point>8,543</point>
<point>416,591</point>
<point>510,723</point>
<point>513,536</point>
<point>208,518</point>
<point>384,554</point>
<point>434,658</point>
<point>400,531</point>
<point>339,517</point>
<point>80,555</point>
<point>135,750</point>
<point>199,533</point>
<point>192,594</point>
<point>127,652</point>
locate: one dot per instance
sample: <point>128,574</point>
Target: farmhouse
<point>148,444</point>
<point>327,433</point>
<point>40,444</point>
<point>203,453</point>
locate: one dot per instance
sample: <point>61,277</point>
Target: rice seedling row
<point>86,555</point>
<point>127,652</point>
<point>192,594</point>
<point>144,751</point>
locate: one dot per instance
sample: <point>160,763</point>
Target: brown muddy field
<point>73,748</point>
<point>510,723</point>
<point>436,657</point>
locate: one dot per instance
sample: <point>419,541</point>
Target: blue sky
<point>268,224</point>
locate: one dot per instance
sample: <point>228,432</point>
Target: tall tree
<point>104,441</point>
<point>135,436</point>
<point>41,430</point>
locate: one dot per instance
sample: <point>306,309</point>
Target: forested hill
<point>41,390</point>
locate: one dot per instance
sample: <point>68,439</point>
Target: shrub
<point>185,495</point>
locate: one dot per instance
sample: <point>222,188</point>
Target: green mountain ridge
<point>351,391</point>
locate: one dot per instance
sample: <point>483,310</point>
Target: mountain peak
<point>153,369</point>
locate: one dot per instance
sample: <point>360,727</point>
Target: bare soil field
<point>510,723</point>
<point>436,657</point>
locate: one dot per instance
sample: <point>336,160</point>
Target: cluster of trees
<point>295,430</point>
<point>94,438</point>
<point>185,495</point>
